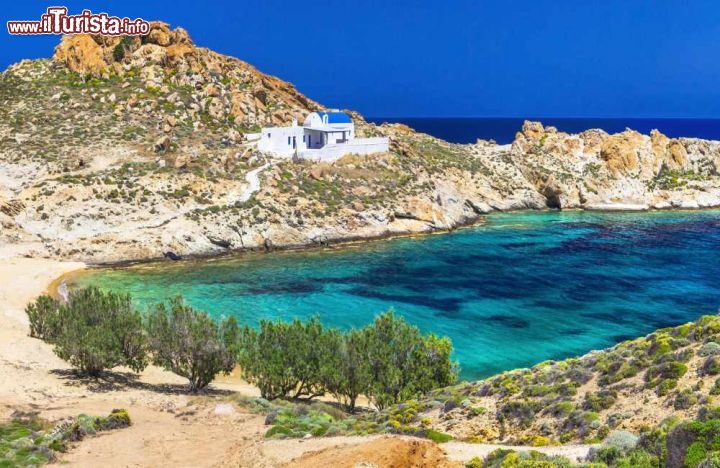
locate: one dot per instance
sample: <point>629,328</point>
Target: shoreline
<point>347,243</point>
<point>358,241</point>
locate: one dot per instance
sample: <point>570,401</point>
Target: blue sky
<point>522,58</point>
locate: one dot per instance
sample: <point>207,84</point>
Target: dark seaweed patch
<point>508,321</point>
<point>287,288</point>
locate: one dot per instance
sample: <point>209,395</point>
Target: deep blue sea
<point>520,289</point>
<point>502,130</point>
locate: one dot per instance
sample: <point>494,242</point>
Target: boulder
<point>620,152</point>
<point>238,106</point>
<point>81,54</point>
<point>159,34</point>
<point>215,108</point>
<point>533,130</point>
<point>677,153</point>
<point>671,152</point>
<point>148,54</point>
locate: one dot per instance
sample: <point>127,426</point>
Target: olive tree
<point>264,359</point>
<point>189,343</point>
<point>96,331</point>
<point>389,361</point>
<point>346,374</point>
<point>403,363</point>
<point>42,315</point>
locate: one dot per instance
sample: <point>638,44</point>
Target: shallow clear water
<point>518,290</point>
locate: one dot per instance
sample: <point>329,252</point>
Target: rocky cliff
<point>125,148</point>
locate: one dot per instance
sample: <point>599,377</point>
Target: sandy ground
<point>169,427</point>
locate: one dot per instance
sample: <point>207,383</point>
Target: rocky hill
<point>672,374</point>
<point>125,148</point>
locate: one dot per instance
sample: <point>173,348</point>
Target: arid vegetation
<point>387,362</point>
<point>30,441</point>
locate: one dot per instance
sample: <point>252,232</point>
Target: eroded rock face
<point>533,130</point>
<point>81,54</point>
<point>671,152</point>
<point>621,154</point>
<point>237,89</point>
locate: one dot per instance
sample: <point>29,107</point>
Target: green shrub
<point>712,460</point>
<point>621,440</point>
<point>709,349</point>
<point>496,457</point>
<point>503,458</point>
<point>283,358</point>
<point>708,413</point>
<point>520,412</point>
<point>404,363</point>
<point>715,390</point>
<point>666,370</point>
<point>475,462</point>
<point>98,330</point>
<point>191,344</point>
<point>117,419</point>
<point>607,455</point>
<point>711,366</point>
<point>582,422</point>
<point>695,454</point>
<point>618,371</point>
<point>33,442</point>
<point>438,437</point>
<point>42,314</point>
<point>278,431</point>
<point>665,386</point>
<point>561,409</point>
<point>689,444</point>
<point>660,346</point>
<point>539,441</point>
<point>300,420</point>
<point>599,401</point>
<point>685,399</point>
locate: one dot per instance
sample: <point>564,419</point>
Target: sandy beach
<point>170,428</point>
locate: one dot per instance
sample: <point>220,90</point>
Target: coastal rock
<point>620,152</point>
<point>532,130</point>
<point>669,152</point>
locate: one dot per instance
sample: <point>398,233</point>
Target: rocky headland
<point>123,149</point>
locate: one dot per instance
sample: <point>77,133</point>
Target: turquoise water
<point>518,290</point>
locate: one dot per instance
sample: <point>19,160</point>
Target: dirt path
<point>253,180</point>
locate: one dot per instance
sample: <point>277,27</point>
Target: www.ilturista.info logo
<point>57,21</point>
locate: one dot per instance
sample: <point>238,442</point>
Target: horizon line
<point>368,116</point>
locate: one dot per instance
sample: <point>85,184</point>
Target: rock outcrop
<point>167,56</point>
